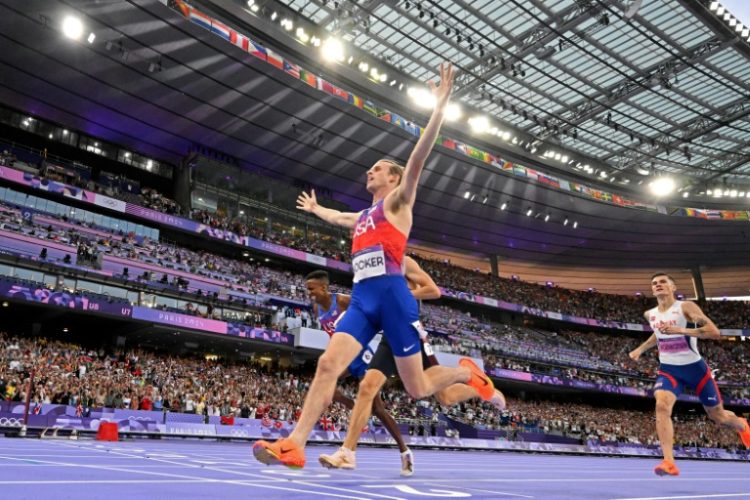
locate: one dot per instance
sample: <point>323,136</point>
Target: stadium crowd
<point>92,378</point>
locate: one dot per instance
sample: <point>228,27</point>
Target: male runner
<point>383,366</point>
<point>680,366</point>
<point>329,307</point>
<point>381,299</point>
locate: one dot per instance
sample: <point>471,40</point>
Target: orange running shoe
<point>666,468</point>
<point>479,380</point>
<point>745,434</point>
<point>282,452</point>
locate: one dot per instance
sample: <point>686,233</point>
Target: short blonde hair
<point>395,169</point>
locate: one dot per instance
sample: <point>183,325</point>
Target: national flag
<point>384,115</point>
<point>617,200</point>
<point>79,410</point>
<point>199,18</point>
<point>257,50</point>
<point>291,69</point>
<point>183,7</point>
<point>370,107</point>
<point>507,166</point>
<point>308,78</point>
<point>448,143</point>
<point>398,120</point>
<point>274,59</point>
<point>532,174</point>
<point>340,93</point>
<point>713,214</point>
<point>461,148</point>
<point>356,101</point>
<point>519,170</point>
<point>325,423</point>
<point>240,40</point>
<point>37,409</point>
<point>550,181</point>
<point>226,420</point>
<point>221,29</point>
<point>413,128</point>
<point>475,153</point>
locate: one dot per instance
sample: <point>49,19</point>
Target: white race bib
<point>368,264</point>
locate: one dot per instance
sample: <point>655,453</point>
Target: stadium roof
<point>153,81</point>
<point>650,85</point>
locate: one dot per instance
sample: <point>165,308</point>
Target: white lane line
<point>207,480</point>
<point>286,477</point>
<point>504,493</point>
<point>717,495</point>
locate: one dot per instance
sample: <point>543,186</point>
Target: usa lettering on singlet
<point>673,349</point>
<point>378,247</point>
<point>328,319</point>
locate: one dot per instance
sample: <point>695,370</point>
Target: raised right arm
<point>308,203</point>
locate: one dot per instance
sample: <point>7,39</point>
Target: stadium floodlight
<point>720,10</point>
<point>421,97</point>
<point>732,22</point>
<point>333,50</point>
<point>745,32</point>
<point>91,38</point>
<point>467,194</point>
<point>505,205</point>
<point>662,186</point>
<point>714,5</point>
<point>507,136</point>
<point>72,27</point>
<point>453,112</point>
<point>479,124</point>
<point>733,193</point>
<point>685,194</point>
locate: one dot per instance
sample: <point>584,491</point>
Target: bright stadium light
<point>719,10</point>
<point>714,5</point>
<point>421,97</point>
<point>72,27</point>
<point>662,186</point>
<point>333,50</point>
<point>453,112</point>
<point>479,124</point>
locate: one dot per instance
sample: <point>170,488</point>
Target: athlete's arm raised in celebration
<point>706,328</point>
<point>426,288</point>
<point>407,191</point>
<point>309,203</point>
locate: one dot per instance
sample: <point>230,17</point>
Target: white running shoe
<point>498,400</point>
<point>343,459</point>
<point>407,463</point>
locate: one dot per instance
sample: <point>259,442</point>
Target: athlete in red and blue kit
<point>380,297</point>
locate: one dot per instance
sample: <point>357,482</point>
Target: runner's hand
<point>307,202</point>
<point>443,91</point>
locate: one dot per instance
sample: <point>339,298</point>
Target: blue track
<point>143,469</point>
